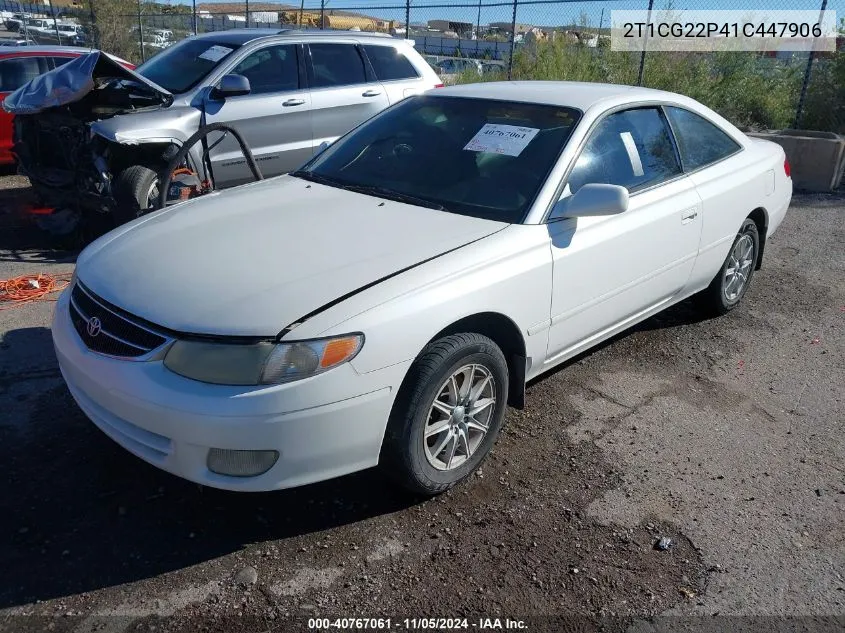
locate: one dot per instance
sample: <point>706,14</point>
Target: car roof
<point>243,36</point>
<point>573,94</point>
<point>29,50</point>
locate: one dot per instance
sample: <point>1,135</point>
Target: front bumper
<point>322,427</point>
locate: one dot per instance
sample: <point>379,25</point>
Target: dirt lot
<point>723,435</point>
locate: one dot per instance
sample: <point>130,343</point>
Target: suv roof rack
<point>330,32</point>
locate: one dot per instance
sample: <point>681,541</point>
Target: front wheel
<point>730,284</point>
<point>136,192</point>
<point>447,415</point>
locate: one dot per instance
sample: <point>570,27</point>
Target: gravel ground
<point>723,436</point>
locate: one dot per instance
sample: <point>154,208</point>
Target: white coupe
<point>385,303</point>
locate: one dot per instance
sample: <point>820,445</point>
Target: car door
<point>274,118</point>
<point>344,91</point>
<point>15,71</point>
<point>395,71</point>
<point>728,184</point>
<point>611,270</point>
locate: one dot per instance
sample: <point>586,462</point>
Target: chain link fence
<point>496,39</point>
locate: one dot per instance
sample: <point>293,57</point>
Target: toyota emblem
<point>94,326</point>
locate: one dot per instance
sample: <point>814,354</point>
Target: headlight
<point>261,363</point>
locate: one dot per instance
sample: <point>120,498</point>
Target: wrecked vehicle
<point>93,136</point>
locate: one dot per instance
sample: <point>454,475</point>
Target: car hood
<point>72,81</point>
<point>252,260</point>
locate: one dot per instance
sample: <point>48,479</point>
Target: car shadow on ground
<point>21,240</point>
<point>81,513</point>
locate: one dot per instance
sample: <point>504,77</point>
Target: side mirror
<point>591,200</point>
<point>322,148</point>
<point>231,86</point>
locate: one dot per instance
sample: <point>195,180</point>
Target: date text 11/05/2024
<point>415,624</point>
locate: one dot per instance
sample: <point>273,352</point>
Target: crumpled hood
<point>70,82</point>
<point>252,260</point>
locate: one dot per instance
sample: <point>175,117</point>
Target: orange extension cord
<point>29,288</point>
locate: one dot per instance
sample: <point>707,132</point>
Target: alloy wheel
<point>738,269</point>
<point>459,417</point>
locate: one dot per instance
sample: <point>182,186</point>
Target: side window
<point>699,141</point>
<point>60,61</point>
<point>631,148</point>
<point>390,63</point>
<point>337,65</point>
<point>271,69</point>
<point>17,71</point>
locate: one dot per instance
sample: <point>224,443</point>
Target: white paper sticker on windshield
<point>502,139</point>
<point>216,53</point>
<point>633,153</point>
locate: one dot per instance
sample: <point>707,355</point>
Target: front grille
<point>105,331</point>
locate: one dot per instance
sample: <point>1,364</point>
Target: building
<point>521,29</point>
<point>462,29</point>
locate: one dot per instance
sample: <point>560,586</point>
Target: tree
<point>114,26</point>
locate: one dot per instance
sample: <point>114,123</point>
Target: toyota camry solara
<point>386,303</point>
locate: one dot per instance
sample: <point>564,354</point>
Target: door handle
<point>371,93</point>
<point>293,102</point>
<point>689,215</point>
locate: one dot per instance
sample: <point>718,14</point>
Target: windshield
<point>181,67</point>
<point>476,157</point>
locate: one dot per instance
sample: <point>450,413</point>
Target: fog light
<point>240,463</point>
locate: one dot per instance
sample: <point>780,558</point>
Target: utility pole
<point>195,15</point>
<point>301,11</point>
<point>247,13</point>
<point>645,45</point>
<point>95,36</point>
<point>808,71</point>
<point>478,27</point>
<point>55,24</point>
<point>141,33</point>
<point>407,19</point>
<point>513,40</point>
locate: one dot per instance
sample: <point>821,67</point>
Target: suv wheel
<point>136,191</point>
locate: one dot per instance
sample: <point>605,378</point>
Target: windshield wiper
<point>307,174</point>
<point>398,196</point>
<point>370,190</point>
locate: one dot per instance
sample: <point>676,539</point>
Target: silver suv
<point>285,92</point>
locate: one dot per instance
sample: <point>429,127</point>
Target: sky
<point>542,12</point>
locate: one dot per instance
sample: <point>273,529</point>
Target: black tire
<point>131,190</point>
<point>403,454</point>
<point>716,299</point>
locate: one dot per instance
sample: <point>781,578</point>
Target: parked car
<point>385,302</point>
<point>14,23</point>
<point>18,67</point>
<point>493,67</point>
<point>450,69</point>
<point>14,43</point>
<point>60,34</point>
<point>285,92</point>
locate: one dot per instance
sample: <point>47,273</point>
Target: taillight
<point>439,86</point>
<point>786,169</point>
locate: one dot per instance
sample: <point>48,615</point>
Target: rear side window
<point>271,69</point>
<point>632,149</point>
<point>390,63</point>
<point>337,65</point>
<point>17,71</point>
<point>60,61</point>
<point>699,141</point>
